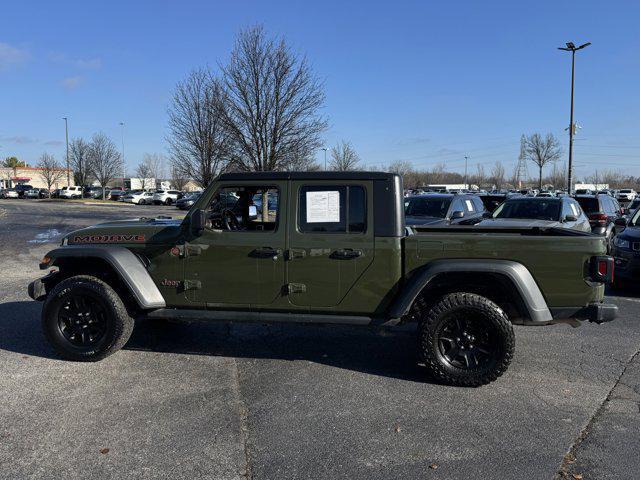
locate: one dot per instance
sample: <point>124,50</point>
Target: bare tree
<point>542,151</point>
<point>497,174</point>
<point>198,141</point>
<point>401,167</point>
<point>50,170</point>
<point>79,161</point>
<point>480,176</point>
<point>148,170</point>
<point>344,157</point>
<point>178,180</point>
<point>104,159</point>
<point>271,104</point>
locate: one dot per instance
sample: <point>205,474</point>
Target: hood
<point>517,222</point>
<point>416,220</point>
<point>630,233</point>
<point>135,231</point>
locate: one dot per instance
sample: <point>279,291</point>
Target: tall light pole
<point>325,158</point>
<point>123,164</point>
<point>466,185</point>
<point>573,49</point>
<point>66,134</point>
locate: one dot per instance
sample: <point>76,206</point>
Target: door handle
<point>346,254</point>
<point>265,252</point>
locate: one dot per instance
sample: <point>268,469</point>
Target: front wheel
<point>84,319</point>
<point>466,340</point>
<point>168,201</point>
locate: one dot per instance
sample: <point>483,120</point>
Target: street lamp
<point>325,158</point>
<point>573,49</point>
<point>123,164</point>
<point>466,184</point>
<point>66,134</point>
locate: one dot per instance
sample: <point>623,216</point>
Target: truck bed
<point>553,264</point>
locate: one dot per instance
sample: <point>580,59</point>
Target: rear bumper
<point>594,312</point>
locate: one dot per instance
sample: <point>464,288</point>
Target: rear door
<point>331,241</point>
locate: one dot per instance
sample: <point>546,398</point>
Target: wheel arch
<point>117,266</point>
<point>507,283</point>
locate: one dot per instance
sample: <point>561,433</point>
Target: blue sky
<point>422,81</point>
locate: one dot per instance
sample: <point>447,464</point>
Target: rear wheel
<point>466,340</point>
<point>168,201</point>
<point>84,319</point>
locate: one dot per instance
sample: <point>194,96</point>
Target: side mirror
<point>620,222</point>
<point>570,218</point>
<point>198,220</point>
<point>457,214</point>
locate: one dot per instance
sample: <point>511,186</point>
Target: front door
<point>237,261</point>
<point>330,240</point>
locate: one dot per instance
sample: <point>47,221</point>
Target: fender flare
<point>515,272</point>
<point>128,267</point>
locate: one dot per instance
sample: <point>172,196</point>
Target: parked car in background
<point>546,194</point>
<point>602,211</point>
<point>583,191</point>
<point>9,193</point>
<point>22,189</point>
<point>626,195</point>
<point>37,193</point>
<point>188,200</point>
<point>139,197</point>
<point>443,209</point>
<point>543,212</point>
<point>166,197</point>
<point>116,194</point>
<point>625,249</point>
<point>71,192</point>
<point>632,207</point>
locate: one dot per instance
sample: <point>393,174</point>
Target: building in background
<point>10,177</point>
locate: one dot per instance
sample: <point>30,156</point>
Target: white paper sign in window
<point>323,207</point>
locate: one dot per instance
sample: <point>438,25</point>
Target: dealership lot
<point>238,401</point>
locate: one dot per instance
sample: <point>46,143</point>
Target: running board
<point>258,317</point>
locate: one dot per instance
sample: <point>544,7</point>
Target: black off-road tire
<point>478,314</point>
<point>114,317</point>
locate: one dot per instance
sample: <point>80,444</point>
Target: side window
<point>566,209</point>
<point>332,209</point>
<point>469,207</point>
<point>246,208</point>
<point>457,205</point>
<point>479,205</point>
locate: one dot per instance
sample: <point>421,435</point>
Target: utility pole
<point>573,49</point>
<point>466,184</point>
<point>325,158</point>
<point>124,168</point>
<point>66,134</point>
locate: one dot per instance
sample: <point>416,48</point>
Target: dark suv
<point>602,210</point>
<point>443,209</point>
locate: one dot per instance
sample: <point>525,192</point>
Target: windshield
<point>530,209</point>
<point>427,207</point>
<point>625,191</point>
<point>589,204</point>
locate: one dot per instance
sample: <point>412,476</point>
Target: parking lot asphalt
<point>217,400</point>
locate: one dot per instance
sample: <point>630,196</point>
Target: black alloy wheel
<point>82,320</point>
<point>467,343</point>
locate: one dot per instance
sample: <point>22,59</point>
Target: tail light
<point>598,219</point>
<point>601,269</point>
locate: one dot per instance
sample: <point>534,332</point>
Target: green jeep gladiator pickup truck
<point>328,248</point>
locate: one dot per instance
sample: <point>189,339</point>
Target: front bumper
<point>38,288</point>
<point>627,263</point>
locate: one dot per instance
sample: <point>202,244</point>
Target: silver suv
<point>166,197</point>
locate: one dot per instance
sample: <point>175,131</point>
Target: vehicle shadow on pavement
<point>20,329</point>
<point>389,353</point>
